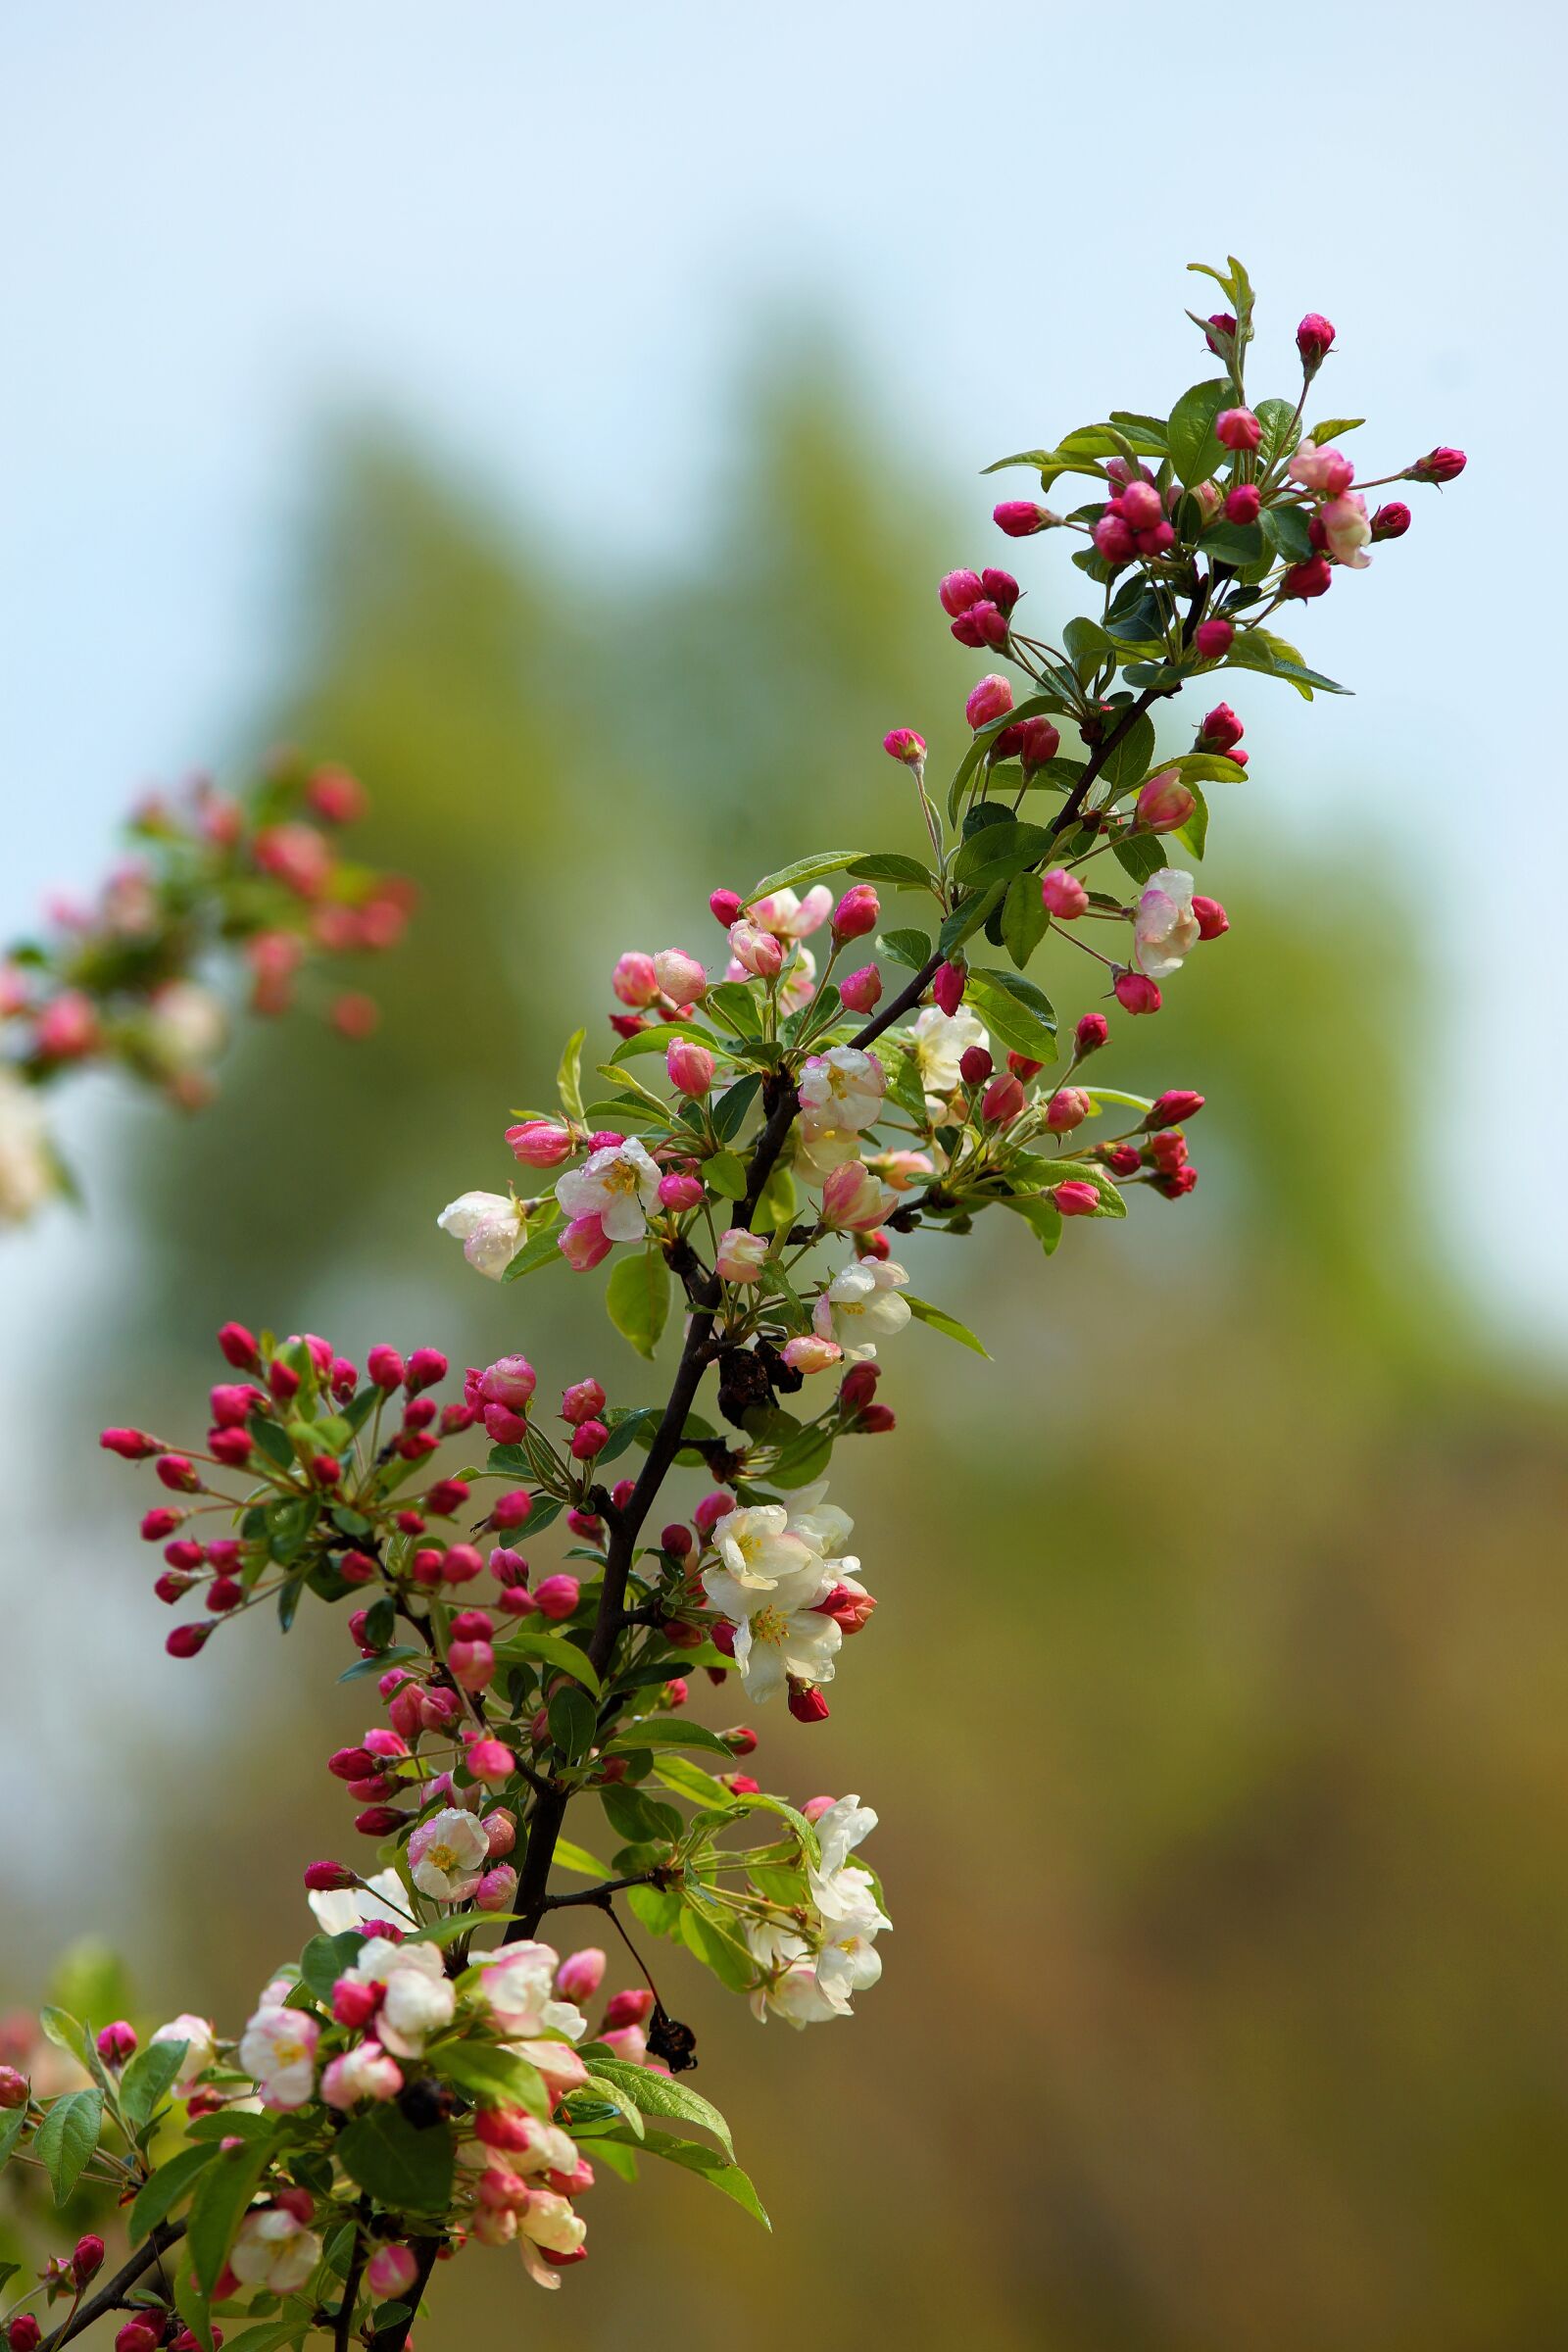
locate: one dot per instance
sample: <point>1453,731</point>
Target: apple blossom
<point>491,1226</point>
<point>852,1201</point>
<point>618,1185</point>
<point>278,2050</point>
<point>861,1306</point>
<point>1164,928</point>
<point>274,2250</point>
<point>1346,530</point>
<point>741,1255</point>
<point>941,1041</point>
<point>681,976</point>
<point>201,2048</point>
<point>756,951</point>
<point>446,1855</point>
<point>418,2001</point>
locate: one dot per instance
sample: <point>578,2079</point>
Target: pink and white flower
<point>200,2044</point>
<point>366,2072</point>
<point>418,2001</point>
<point>448,1855</point>
<point>491,1226</point>
<point>277,2049</point>
<point>861,1306</point>
<point>1165,930</point>
<point>842,1087</point>
<point>274,2249</point>
<point>741,1255</point>
<point>517,1987</point>
<point>552,2222</point>
<point>941,1041</point>
<point>789,917</point>
<point>1347,529</point>
<point>852,1201</point>
<point>618,1184</point>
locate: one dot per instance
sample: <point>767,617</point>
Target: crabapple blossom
<point>201,2048</point>
<point>1164,928</point>
<point>1346,530</point>
<point>941,1041</point>
<point>517,1989</point>
<point>789,917</point>
<point>741,1255</point>
<point>681,976</point>
<point>278,2050</point>
<point>756,951</point>
<point>861,1306</point>
<point>274,2249</point>
<point>419,1999</point>
<point>618,1185</point>
<point>852,1201</point>
<point>491,1226</point>
<point>447,1854</point>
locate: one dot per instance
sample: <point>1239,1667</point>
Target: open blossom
<point>275,2250</point>
<point>448,1855</point>
<point>419,1999</point>
<point>200,2046</point>
<point>29,1173</point>
<point>1346,530</point>
<point>861,1306</point>
<point>381,1901</point>
<point>491,1226</point>
<point>790,917</point>
<point>842,1088</point>
<point>550,2221</point>
<point>1166,929</point>
<point>786,1639</point>
<point>518,1987</point>
<point>941,1041</point>
<point>366,2072</point>
<point>755,1549</point>
<point>618,1184</point>
<point>279,2049</point>
<point>1325,469</point>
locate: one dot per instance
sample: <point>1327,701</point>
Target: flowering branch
<point>126,980</point>
<point>406,2088</point>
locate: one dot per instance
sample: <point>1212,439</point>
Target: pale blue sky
<point>543,236</point>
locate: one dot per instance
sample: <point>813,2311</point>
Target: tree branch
<point>109,2298</point>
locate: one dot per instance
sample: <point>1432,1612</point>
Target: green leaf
<point>732,1003</point>
<point>501,2078</point>
<point>539,1250</point>
<point>912,949</point>
<point>1204,767</point>
<point>406,2169</point>
<point>726,1173</point>
<point>67,2034</point>
<point>220,2205</point>
<point>1195,453</point>
<point>1274,657</point>
<point>68,2137</point>
<point>626,1427</point>
<point>670,1730</point>
<point>637,1299</point>
<point>1281,432</point>
<point>1195,833</point>
<point>1285,530</point>
<point>1087,646</point>
<point>662,2094</point>
<point>1331,429</point>
<point>1033,706</point>
<point>568,1078</point>
<point>708,2166</point>
<point>890,866</point>
<point>325,1959</point>
<point>147,2079</point>
<point>1024,921</point>
<point>949,1325</point>
<point>803,1460</point>
<point>1044,1216</point>
<point>610,2094</point>
<point>157,2198</point>
<point>690,1780</point>
<point>551,1650</point>
<point>270,2335</point>
<point>1140,855</point>
<point>732,1106</point>
<point>999,850</point>
<point>1235,543</point>
<point>266,1435</point>
<point>1126,763</point>
<point>12,2125</point>
<point>969,915</point>
<point>579,1859</point>
<point>574,1720</point>
<point>1015,1011</point>
<point>805,870</point>
<point>383,1659</point>
<point>660,1035</point>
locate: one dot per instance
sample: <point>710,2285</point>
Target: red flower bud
<point>117,2043</point>
<point>948,987</point>
<point>1021,517</point>
<point>1243,504</point>
<point>1392,522</point>
<point>807,1703</point>
<point>239,1347</point>
<point>861,990</point>
<point>87,2259</point>
<point>329,1878</point>
<point>1238,429</point>
<point>1076,1198</point>
<point>976,1065</point>
<point>178,1474</point>
<point>1221,730</point>
<point>859,911</point>
<point>1314,340</point>
<point>385,1367</point>
<point>131,1445</point>
<point>1214,639</point>
<point>957,591</point>
<point>1212,920</point>
<point>905,744</point>
<point>1136,994</point>
<point>426,1366</point>
<point>1091,1034</point>
<point>1309,580</point>
<point>726,906</point>
<point>186,1639</point>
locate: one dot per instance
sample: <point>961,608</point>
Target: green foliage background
<point>1215,1704</point>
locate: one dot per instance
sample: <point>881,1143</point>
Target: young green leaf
<point>219,2206</point>
<point>1014,1010</point>
<point>569,1079</point>
<point>500,2078</point>
<point>662,2095</point>
<point>147,2079</point>
<point>1194,451</point>
<point>805,870</point>
<point>551,1650</point>
<point>949,1325</point>
<point>727,2177</point>
<point>67,2138</point>
<point>637,1299</point>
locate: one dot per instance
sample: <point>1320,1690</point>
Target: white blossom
<point>941,1041</point>
<point>491,1226</point>
<point>448,1855</point>
<point>419,1999</point>
<point>618,1184</point>
<point>274,2250</point>
<point>842,1088</point>
<point>757,1550</point>
<point>518,1987</point>
<point>1164,927</point>
<point>201,2045</point>
<point>381,1899</point>
<point>861,1306</point>
<point>790,917</point>
<point>278,2050</point>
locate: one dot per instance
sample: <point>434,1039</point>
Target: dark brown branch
<point>393,2338</point>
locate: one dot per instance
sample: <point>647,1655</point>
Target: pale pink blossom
<point>681,976</point>
<point>366,2072</point>
<point>1165,930</point>
<point>278,2050</point>
<point>741,1255</point>
<point>1347,529</point>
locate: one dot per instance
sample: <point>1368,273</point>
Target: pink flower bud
<point>634,979</point>
<point>679,1190</point>
<point>23,2334</point>
<point>1141,508</point>
<point>740,1256</point>
<point>580,1974</point>
<point>1163,804</point>
<point>976,1065</point>
<point>1067,1108</point>
<point>690,1069</point>
<point>983,625</point>
<point>756,951</point>
<point>1002,1101</point>
<point>861,990</point>
<point>425,1368</point>
<point>137,2336</point>
<point>1062,895</point>
<point>329,1878</point>
<point>948,987</point>
<point>849,1605</point>
<point>176,1473</point>
<point>588,1439</point>
<point>385,1369</point>
<point>584,1401</point>
<point>807,1703</point>
<point>557,1596</point>
<point>1158,541</point>
<point>584,1243</point>
<point>675,1540</point>
<point>1168,1110</point>
<point>390,2272</point>
<point>1221,730</point>
<point>1000,588</point>
<point>1136,994</point>
<point>630,2008</point>
<point>990,699</point>
<point>355,2004</point>
<point>1021,517</point>
<point>1113,540</point>
<point>858,911</point>
<point>117,2043</point>
<point>511,1381</point>
<point>496,1890</point>
<point>500,1829</point>
<point>473,1664</point>
<point>540,1143</point>
<point>131,1445</point>
<point>1314,340</point>
<point>1222,323</point>
<point>188,1640</point>
<point>903,743</point>
<point>807,1353</point>
<point>510,1510</point>
<point>1076,1200</point>
<point>87,2259</point>
<point>1238,429</point>
<point>1312,578</point>
<point>725,906</point>
<point>13,2087</point>
<point>958,591</point>
<point>1038,742</point>
<point>681,976</point>
<point>1391,521</point>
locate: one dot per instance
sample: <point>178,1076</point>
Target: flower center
<point>769,1624</point>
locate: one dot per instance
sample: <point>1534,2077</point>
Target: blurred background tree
<point>1216,1706</point>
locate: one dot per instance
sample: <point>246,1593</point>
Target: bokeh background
<point>561,418</point>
